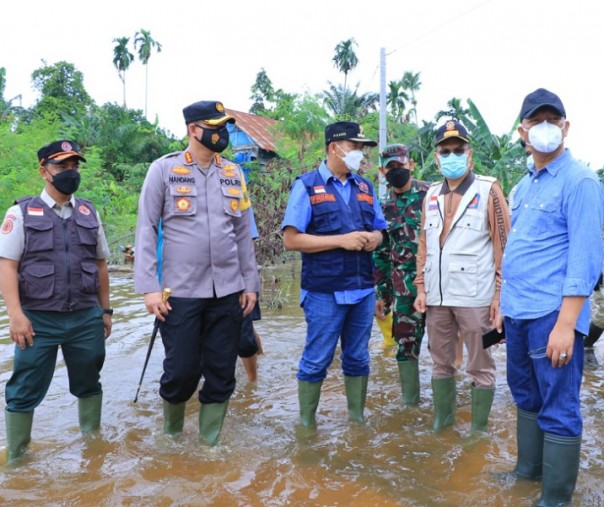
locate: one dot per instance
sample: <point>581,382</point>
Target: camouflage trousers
<point>407,328</point>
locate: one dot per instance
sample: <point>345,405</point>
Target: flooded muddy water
<point>263,459</point>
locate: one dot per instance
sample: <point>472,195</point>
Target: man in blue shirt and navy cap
<point>552,261</point>
<point>333,217</point>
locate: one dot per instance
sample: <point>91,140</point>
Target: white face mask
<point>545,137</point>
<point>352,159</point>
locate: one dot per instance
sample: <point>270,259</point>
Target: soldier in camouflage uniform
<point>395,263</point>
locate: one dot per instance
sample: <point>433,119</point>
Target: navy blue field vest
<point>338,269</point>
<point>58,270</point>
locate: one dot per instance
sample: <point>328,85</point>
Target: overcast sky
<point>491,51</point>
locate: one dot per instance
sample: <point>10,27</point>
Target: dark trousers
<point>247,342</point>
<point>81,336</point>
<point>200,337</point>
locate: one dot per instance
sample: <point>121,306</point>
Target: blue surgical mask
<point>453,166</point>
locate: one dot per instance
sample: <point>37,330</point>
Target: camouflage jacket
<point>395,257</point>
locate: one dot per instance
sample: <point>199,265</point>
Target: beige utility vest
<point>462,273</point>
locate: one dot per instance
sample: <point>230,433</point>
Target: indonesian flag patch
<point>35,212</point>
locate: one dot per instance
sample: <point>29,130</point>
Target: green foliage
<point>269,190</point>
<point>62,91</point>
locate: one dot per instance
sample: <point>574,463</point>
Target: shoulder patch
<point>170,155</point>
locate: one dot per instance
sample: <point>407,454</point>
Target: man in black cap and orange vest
<point>55,284</point>
<point>208,262</point>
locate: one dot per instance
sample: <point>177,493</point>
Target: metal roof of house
<point>258,128</point>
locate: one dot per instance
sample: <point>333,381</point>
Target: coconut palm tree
<point>411,83</point>
<point>345,59</point>
<point>347,104</point>
<point>145,45</point>
<point>122,58</point>
<point>397,99</point>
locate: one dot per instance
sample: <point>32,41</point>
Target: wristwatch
<point>107,311</point>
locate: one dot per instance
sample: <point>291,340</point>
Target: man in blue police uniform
<point>208,261</point>
<point>55,284</point>
<point>333,217</point>
<point>552,261</point>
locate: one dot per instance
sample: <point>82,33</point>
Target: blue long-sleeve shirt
<point>554,247</point>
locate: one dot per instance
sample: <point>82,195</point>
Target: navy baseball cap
<point>539,99</point>
<point>451,129</point>
<point>346,131</point>
<point>57,151</point>
<point>208,111</point>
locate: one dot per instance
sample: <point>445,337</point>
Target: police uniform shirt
<point>12,235</point>
<point>207,247</point>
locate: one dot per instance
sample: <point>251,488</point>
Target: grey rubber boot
<point>560,469</point>
<point>308,397</point>
<point>356,394</point>
<point>482,400</point>
<point>174,417</point>
<point>89,412</point>
<point>211,417</point>
<point>443,398</point>
<point>18,433</point>
<point>409,374</point>
<point>529,464</point>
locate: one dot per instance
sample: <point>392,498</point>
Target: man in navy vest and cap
<point>333,217</point>
<point>55,284</point>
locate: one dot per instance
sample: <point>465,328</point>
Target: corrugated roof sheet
<point>257,128</point>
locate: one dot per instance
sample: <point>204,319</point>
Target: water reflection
<point>394,460</point>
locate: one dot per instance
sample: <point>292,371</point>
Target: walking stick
<point>164,297</point>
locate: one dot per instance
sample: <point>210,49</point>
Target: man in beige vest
<point>464,230</point>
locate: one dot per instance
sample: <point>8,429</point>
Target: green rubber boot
<point>356,393</point>
<point>443,398</point>
<point>174,417</point>
<point>560,469</point>
<point>308,397</point>
<point>529,464</point>
<point>409,374</point>
<point>482,400</point>
<point>18,433</point>
<point>211,417</point>
<point>89,412</point>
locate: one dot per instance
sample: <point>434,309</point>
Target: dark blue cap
<point>57,151</point>
<point>539,99</point>
<point>209,111</point>
<point>346,131</point>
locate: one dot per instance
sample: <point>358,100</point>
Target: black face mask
<point>215,139</point>
<point>66,182</point>
<point>398,177</point>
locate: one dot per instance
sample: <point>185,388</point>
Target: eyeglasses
<point>445,152</point>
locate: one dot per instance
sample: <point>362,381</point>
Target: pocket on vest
<point>463,277</point>
<point>90,278</point>
<point>38,281</point>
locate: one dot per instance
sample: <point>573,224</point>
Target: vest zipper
<point>67,263</point>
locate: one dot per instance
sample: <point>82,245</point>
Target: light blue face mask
<point>453,166</point>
